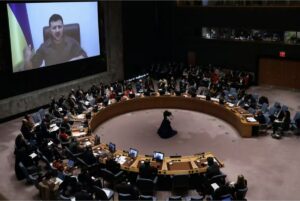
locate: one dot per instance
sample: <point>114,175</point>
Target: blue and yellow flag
<point>20,34</point>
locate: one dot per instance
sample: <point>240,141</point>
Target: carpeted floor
<point>270,166</point>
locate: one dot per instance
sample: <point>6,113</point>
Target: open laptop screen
<point>133,153</point>
<point>112,147</point>
<point>158,156</point>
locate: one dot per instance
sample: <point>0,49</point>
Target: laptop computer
<point>158,156</point>
<point>133,153</point>
<point>112,147</point>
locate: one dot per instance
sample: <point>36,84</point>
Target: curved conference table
<point>197,163</point>
<point>236,116</point>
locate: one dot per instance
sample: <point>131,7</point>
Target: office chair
<point>218,179</point>
<point>226,197</point>
<point>293,122</point>
<point>147,197</point>
<point>103,193</point>
<point>174,198</point>
<point>31,178</point>
<point>195,198</point>
<point>180,184</point>
<point>146,186</point>
<point>125,196</point>
<point>240,194</point>
<point>72,30</point>
<point>111,178</point>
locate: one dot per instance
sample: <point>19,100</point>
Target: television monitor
<point>158,156</point>
<point>112,147</point>
<point>133,153</point>
<point>49,33</point>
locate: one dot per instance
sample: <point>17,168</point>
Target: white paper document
<point>121,160</point>
<point>251,119</point>
<point>33,155</point>
<point>214,186</point>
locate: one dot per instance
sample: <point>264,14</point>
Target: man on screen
<point>59,48</point>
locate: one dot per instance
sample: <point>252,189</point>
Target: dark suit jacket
<point>212,171</point>
<point>147,172</point>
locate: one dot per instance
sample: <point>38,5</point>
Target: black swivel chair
<point>146,186</point>
<point>103,193</point>
<point>147,197</point>
<point>174,198</point>
<point>125,196</point>
<point>111,178</point>
<point>219,179</point>
<point>72,30</point>
<point>31,178</point>
<point>240,194</point>
<point>180,184</point>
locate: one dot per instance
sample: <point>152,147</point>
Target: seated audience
<point>284,124</point>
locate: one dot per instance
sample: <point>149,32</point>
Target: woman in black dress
<point>165,130</point>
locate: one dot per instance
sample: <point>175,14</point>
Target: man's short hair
<point>54,18</point>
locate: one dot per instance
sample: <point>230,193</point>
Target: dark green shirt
<point>53,53</point>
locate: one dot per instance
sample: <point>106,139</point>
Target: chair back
<point>125,196</point>
<point>219,179</point>
<point>147,197</point>
<point>36,117</point>
<point>71,30</point>
<point>107,175</point>
<point>174,198</point>
<point>297,116</point>
<point>226,197</point>
<point>100,194</point>
<point>42,113</point>
<point>145,186</point>
<point>180,184</point>
<point>197,198</point>
<point>264,107</point>
<point>241,193</point>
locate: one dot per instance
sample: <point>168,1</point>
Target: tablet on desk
<point>158,156</point>
<point>133,153</point>
<point>112,147</point>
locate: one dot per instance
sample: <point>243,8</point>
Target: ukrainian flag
<point>20,34</point>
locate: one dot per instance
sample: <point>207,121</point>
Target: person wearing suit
<point>112,165</point>
<point>147,171</point>
<point>165,130</point>
<point>212,169</point>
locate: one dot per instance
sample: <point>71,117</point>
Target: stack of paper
<point>201,96</point>
<point>215,186</point>
<point>121,160</point>
<point>81,116</point>
<point>33,155</point>
<point>78,134</point>
<point>214,99</point>
<point>251,119</point>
